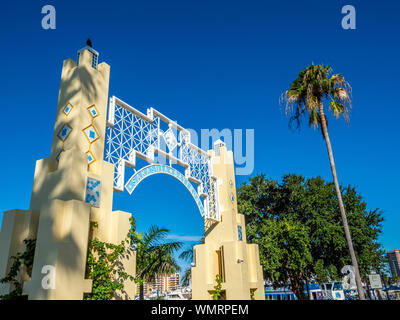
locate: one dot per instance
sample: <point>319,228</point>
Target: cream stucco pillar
<point>225,250</point>
<point>71,188</point>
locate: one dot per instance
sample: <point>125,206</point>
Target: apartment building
<point>162,283</point>
<point>394,262</point>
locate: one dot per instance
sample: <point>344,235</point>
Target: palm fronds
<point>310,89</point>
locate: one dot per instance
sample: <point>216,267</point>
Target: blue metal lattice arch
<point>153,169</point>
<point>131,134</point>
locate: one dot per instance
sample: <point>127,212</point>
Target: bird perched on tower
<point>89,42</point>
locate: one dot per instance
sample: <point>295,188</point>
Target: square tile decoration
<point>93,111</point>
<point>91,133</point>
<point>91,157</point>
<point>93,189</point>
<point>64,132</point>
<point>67,109</point>
<point>170,139</point>
<point>240,234</point>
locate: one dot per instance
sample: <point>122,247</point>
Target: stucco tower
<point>71,188</point>
<point>225,251</point>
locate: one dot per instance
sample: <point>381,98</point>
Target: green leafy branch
<point>252,296</point>
<point>19,260</point>
<point>217,295</point>
<point>104,266</point>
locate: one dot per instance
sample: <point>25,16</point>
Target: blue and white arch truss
<point>157,169</point>
<point>131,134</point>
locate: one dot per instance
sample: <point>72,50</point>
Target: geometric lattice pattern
<point>199,163</point>
<point>130,133</point>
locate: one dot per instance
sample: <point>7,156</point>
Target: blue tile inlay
<point>93,189</point>
<point>240,234</point>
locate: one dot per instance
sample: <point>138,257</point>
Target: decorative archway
<point>94,139</point>
<point>131,134</point>
<point>153,169</point>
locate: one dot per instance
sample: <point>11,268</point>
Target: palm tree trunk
<point>341,206</point>
<point>141,291</point>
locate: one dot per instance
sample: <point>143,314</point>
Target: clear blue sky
<point>194,59</point>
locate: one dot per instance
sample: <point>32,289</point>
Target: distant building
<point>394,262</point>
<point>283,293</point>
<point>161,283</point>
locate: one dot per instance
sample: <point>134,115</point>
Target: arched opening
<point>154,169</point>
<point>162,200</point>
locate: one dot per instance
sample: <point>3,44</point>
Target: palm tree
<point>306,95</point>
<point>187,255</point>
<point>153,255</point>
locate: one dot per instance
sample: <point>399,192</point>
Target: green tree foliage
<point>298,227</point>
<point>104,265</point>
<point>218,293</point>
<point>153,255</point>
<point>394,280</point>
<point>308,94</point>
<point>20,260</point>
<point>186,278</point>
<point>252,294</point>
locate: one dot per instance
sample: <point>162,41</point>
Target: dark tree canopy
<point>298,227</point>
